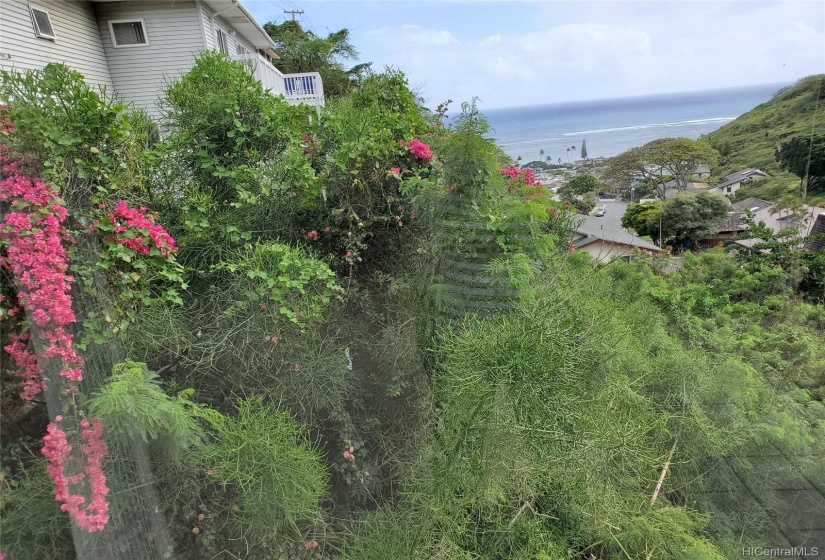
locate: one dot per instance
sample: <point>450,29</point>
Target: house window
<point>730,189</point>
<point>223,41</point>
<point>242,49</point>
<point>42,23</point>
<point>128,33</point>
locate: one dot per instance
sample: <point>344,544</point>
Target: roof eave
<point>259,38</point>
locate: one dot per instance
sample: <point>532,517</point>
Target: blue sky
<point>516,53</point>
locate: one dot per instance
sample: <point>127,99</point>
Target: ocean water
<point>612,126</point>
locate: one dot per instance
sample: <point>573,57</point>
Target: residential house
<point>701,172</point>
<point>606,242</point>
<point>134,48</point>
<point>734,181</point>
<point>802,221</point>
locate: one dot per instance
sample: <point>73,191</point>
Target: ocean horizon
<point>612,126</point>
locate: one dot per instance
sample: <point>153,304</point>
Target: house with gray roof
<point>802,220</point>
<point>734,181</point>
<point>606,242</point>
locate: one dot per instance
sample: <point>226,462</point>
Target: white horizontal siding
<point>208,30</point>
<point>175,35</point>
<point>76,44</point>
<point>233,39</point>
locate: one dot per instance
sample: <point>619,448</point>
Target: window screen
<point>42,23</point>
<point>128,33</point>
<point>223,42</point>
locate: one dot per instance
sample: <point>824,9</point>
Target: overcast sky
<point>514,53</point>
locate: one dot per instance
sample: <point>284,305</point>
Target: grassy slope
<point>752,139</point>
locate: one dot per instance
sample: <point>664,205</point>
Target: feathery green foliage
<point>132,403</point>
<point>31,523</point>
<point>267,457</point>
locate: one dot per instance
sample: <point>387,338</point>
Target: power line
<point>278,5</point>
<point>293,12</point>
<point>309,24</point>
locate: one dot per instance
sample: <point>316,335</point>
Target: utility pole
<point>294,12</point>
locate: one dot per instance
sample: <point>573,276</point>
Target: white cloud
<point>587,50</point>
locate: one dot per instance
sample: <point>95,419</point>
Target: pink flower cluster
<point>349,454</point>
<point>419,149</point>
<point>125,219</point>
<point>26,363</point>
<point>525,174</point>
<point>310,144</point>
<point>33,231</point>
<point>93,516</point>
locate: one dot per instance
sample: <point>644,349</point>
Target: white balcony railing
<point>295,88</point>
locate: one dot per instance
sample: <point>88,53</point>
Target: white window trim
<point>226,35</point>
<point>131,20</point>
<point>37,32</point>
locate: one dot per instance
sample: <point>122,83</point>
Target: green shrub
<point>269,461</point>
<point>31,523</point>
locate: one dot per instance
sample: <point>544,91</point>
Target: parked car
<point>599,213</point>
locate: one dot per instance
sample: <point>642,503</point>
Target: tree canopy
<point>689,217</point>
<point>643,218</point>
<point>684,218</point>
<point>582,184</point>
<point>678,157</point>
<point>805,158</point>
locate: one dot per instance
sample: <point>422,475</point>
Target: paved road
<point>613,212</point>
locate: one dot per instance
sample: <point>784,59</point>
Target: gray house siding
<point>212,24</point>
<point>208,32</point>
<point>76,41</point>
<point>175,38</point>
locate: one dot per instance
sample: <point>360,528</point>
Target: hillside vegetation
<point>752,139</point>
<point>367,335</point>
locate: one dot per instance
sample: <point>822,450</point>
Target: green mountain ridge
<point>751,140</point>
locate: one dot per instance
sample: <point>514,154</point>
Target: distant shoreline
<point>613,126</point>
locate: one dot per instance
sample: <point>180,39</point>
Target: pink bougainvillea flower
<point>396,170</point>
<point>91,515</point>
<point>139,228</point>
<point>420,150</point>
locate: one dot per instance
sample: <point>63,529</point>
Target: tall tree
<point>633,165</point>
<point>689,217</point>
<point>805,158</point>
<point>678,157</point>
<point>682,156</point>
<point>581,184</point>
<point>584,149</point>
<point>303,51</point>
<point>643,218</point>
